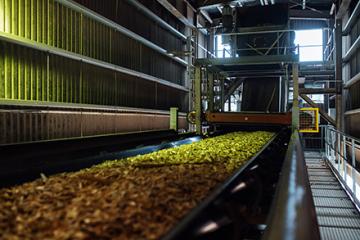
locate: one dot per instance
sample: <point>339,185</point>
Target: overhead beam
<point>248,60</point>
<point>215,4</point>
<point>322,112</point>
<point>317,90</point>
<point>206,16</point>
<point>156,18</point>
<point>174,11</point>
<point>308,14</point>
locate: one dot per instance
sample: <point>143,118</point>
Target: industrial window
<point>223,47</point>
<point>310,43</point>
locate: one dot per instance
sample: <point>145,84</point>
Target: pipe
<point>352,50</point>
<point>97,17</point>
<point>156,18</point>
<point>353,18</point>
<point>63,53</point>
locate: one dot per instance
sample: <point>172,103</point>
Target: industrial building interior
<point>180,119</point>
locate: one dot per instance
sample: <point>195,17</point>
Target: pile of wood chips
<point>106,203</point>
<point>141,197</point>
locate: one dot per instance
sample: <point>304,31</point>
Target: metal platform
<point>336,214</point>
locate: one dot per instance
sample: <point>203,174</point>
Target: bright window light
<point>311,44</point>
<point>223,50</point>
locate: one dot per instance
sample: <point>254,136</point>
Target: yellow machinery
<point>309,120</point>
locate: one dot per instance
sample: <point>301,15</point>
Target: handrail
<point>293,214</point>
<point>342,153</point>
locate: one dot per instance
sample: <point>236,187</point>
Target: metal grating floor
<point>337,216</point>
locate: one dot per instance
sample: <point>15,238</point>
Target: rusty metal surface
<point>249,118</point>
<point>34,125</point>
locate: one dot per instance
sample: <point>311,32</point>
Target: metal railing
<point>293,212</point>
<point>342,153</point>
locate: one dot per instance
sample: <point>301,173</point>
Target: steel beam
<point>317,90</point>
<point>352,20</point>
<point>198,103</point>
<point>173,10</point>
<point>97,17</point>
<point>250,118</point>
<point>308,14</point>
<point>354,111</point>
<point>248,60</point>
<point>338,75</point>
<point>352,81</point>
<point>74,56</point>
<point>156,18</point>
<point>235,84</point>
<point>344,6</point>
<point>352,50</point>
<point>67,107</point>
<point>222,93</point>
<point>295,109</point>
<point>210,89</point>
<point>322,112</point>
<point>206,16</point>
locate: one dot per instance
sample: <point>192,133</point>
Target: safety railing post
<point>338,152</point>
<point>322,135</point>
<point>331,133</point>
<point>353,163</point>
<point>344,159</point>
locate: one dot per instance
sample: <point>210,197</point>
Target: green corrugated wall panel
<point>2,74</point>
<point>31,75</point>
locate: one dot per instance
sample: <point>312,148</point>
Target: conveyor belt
<point>336,214</point>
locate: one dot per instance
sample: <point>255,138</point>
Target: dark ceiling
<point>309,8</point>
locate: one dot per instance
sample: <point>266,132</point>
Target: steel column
<point>338,74</point>
<point>197,89</point>
<point>210,89</point>
<point>222,94</point>
<point>353,163</point>
<point>295,110</point>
